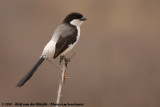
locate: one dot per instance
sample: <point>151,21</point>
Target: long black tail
<point>29,74</point>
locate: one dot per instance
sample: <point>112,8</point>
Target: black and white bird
<point>63,40</point>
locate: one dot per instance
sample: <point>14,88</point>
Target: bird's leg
<point>61,58</point>
<point>66,60</point>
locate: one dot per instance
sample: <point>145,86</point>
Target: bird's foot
<point>67,60</point>
<point>61,59</point>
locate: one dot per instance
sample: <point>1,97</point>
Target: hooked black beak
<point>83,19</point>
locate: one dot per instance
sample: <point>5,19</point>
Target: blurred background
<point>117,62</point>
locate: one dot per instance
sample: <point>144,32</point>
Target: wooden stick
<point>61,82</point>
<point>55,65</point>
<point>62,79</point>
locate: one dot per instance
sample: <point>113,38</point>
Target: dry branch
<point>62,78</point>
<point>61,82</point>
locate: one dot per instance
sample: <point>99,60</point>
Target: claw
<point>66,61</point>
<point>61,58</point>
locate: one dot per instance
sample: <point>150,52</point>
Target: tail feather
<point>29,74</point>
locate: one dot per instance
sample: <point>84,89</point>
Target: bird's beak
<point>83,19</point>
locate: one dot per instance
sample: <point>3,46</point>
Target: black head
<point>70,17</point>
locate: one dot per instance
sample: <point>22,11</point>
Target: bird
<point>64,38</point>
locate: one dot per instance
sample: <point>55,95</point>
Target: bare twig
<point>61,82</point>
<point>68,77</point>
<point>55,65</point>
<point>62,79</point>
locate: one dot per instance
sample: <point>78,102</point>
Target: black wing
<point>64,41</point>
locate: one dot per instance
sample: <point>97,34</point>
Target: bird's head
<point>75,19</point>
